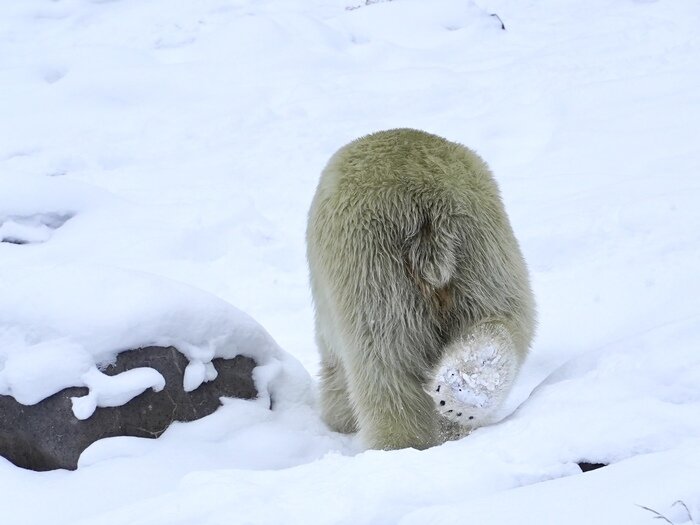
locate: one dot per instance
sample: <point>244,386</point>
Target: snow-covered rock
<point>59,324</point>
<point>84,342</point>
<point>47,435</point>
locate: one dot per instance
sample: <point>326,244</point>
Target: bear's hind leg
<point>336,409</point>
<point>474,376</point>
<point>392,407</point>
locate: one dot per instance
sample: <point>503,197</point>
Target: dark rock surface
<point>48,436</point>
<point>586,467</point>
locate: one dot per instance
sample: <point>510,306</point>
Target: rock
<point>587,467</point>
<point>48,436</point>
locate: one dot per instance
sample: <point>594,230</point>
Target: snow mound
<point>61,323</point>
<point>29,229</point>
<point>49,200</point>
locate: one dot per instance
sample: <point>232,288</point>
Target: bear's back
<point>410,166</point>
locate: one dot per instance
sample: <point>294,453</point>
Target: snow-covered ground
<point>158,157</point>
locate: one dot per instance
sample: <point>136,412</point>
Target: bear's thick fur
<point>424,310</point>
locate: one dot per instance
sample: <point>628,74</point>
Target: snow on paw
<point>445,395</point>
<point>455,399</point>
<point>472,379</point>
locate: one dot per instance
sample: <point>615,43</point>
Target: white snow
<point>60,321</point>
<point>114,391</point>
<point>157,160</point>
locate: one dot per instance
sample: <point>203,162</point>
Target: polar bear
<point>423,306</point>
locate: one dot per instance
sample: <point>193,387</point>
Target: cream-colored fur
<point>418,283</point>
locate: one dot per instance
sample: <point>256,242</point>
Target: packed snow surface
<point>157,160</point>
